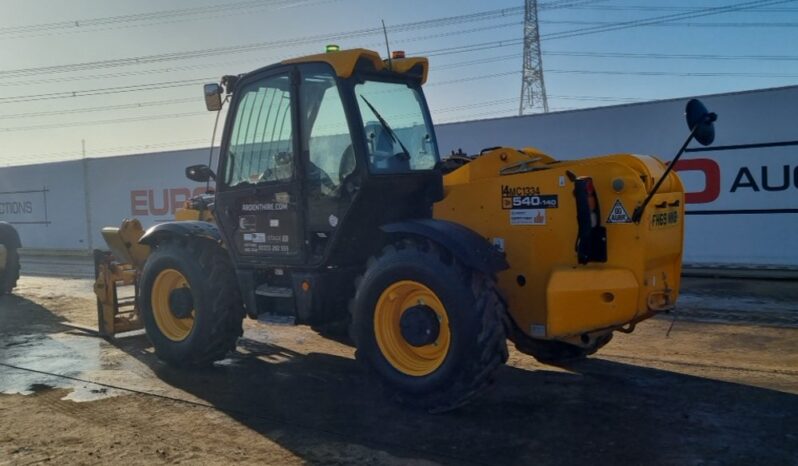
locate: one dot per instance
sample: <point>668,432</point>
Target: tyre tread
<point>492,338</point>
<point>226,310</point>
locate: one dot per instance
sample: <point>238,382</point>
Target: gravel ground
<point>724,391</point>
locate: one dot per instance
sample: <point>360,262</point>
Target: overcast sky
<point>739,50</point>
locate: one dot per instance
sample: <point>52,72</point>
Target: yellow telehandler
<point>331,203</point>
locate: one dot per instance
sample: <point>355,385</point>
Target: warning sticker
<point>528,217</point>
<point>618,214</point>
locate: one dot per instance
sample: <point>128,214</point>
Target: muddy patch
<point>30,359</point>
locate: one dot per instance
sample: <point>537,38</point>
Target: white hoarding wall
<point>46,204</point>
<point>742,201</point>
<point>742,192</point>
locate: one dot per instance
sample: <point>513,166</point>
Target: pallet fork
<point>116,279</point>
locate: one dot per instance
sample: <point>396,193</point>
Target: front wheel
<point>9,269</point>
<point>190,302</point>
<point>432,329</point>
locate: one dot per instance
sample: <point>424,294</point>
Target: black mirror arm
<point>638,213</point>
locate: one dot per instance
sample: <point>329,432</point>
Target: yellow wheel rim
<point>171,327</point>
<point>404,357</point>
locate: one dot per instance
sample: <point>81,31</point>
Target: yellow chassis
<point>557,299</point>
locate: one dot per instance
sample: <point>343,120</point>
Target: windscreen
<point>398,130</point>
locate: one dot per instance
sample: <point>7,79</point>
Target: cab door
<point>258,200</point>
<point>328,156</point>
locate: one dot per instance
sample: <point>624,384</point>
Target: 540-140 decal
<point>526,205</point>
<point>541,201</point>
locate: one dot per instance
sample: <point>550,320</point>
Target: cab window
<point>326,141</point>
<point>397,127</point>
<point>261,141</point>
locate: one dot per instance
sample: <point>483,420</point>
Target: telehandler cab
<point>331,204</point>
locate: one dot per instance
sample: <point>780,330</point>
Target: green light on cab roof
<point>333,48</point>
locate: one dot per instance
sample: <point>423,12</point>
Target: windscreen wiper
<point>387,127</point>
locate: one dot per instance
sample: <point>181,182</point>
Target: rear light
<point>591,239</point>
<point>592,202</point>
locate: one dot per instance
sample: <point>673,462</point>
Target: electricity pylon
<point>533,88</point>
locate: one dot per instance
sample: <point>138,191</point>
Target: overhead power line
<point>105,108</point>
<point>311,39</point>
<point>188,82</point>
<point>725,24</point>
<point>207,52</point>
<point>622,55</point>
<point>61,155</point>
<point>467,48</point>
<point>675,8</point>
<point>405,27</point>
<point>102,91</point>
<point>713,74</point>
<point>103,122</point>
<point>192,114</point>
<point>709,11</point>
<point>439,83</point>
<point>674,56</point>
<point>172,15</point>
<point>161,85</point>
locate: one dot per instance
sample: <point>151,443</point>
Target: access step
<point>274,291</point>
<point>276,319</point>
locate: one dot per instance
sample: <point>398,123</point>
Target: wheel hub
<point>181,303</point>
<point>420,325</point>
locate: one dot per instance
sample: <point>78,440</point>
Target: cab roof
<point>344,62</point>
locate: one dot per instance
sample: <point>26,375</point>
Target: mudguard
<point>9,236</point>
<point>181,229</point>
<point>465,244</point>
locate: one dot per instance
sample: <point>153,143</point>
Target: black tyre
<point>558,352</point>
<point>432,329</point>
<point>190,302</point>
<point>9,275</point>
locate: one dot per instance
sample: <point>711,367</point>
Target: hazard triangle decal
<point>618,214</point>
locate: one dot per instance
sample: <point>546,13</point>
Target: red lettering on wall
<point>711,172</point>
<point>138,202</point>
<point>177,197</point>
<point>162,201</point>
<point>154,210</point>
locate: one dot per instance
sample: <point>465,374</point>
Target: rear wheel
<point>431,328</point>
<point>190,302</point>
<point>9,270</point>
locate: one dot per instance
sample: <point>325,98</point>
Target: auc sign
<point>756,178</point>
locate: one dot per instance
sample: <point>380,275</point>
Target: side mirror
<point>700,121</point>
<point>702,128</point>
<point>213,97</point>
<point>200,173</point>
